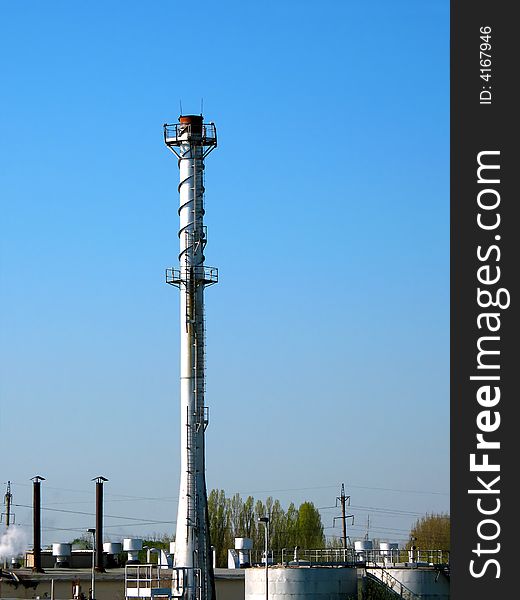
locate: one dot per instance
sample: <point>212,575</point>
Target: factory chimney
<point>100,567</point>
<point>37,525</point>
<point>191,140</point>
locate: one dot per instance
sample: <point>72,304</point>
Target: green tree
<point>219,527</point>
<point>235,507</point>
<point>335,542</point>
<point>291,526</point>
<point>248,517</point>
<point>233,517</point>
<point>431,532</point>
<point>83,542</point>
<point>278,526</point>
<point>309,527</point>
<point>259,535</point>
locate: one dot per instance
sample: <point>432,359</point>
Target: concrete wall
<point>109,585</point>
<point>230,589</point>
<point>34,586</point>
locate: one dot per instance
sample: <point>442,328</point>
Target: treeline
<point>431,531</point>
<point>234,517</point>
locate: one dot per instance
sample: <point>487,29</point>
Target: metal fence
<point>350,556</point>
<point>176,132</point>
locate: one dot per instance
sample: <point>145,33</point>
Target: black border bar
<point>485,256</point>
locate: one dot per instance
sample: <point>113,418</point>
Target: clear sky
<point>327,206</point>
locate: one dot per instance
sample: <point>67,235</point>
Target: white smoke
<point>13,542</point>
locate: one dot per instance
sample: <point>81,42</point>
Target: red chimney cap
<point>193,119</point>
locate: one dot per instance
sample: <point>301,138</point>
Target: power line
<point>323,487</point>
<point>78,512</point>
<point>365,487</point>
<point>169,499</point>
<point>319,487</point>
<point>83,529</point>
<point>385,511</point>
<point>89,492</point>
<point>389,511</point>
<point>381,529</point>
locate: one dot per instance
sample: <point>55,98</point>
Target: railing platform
<point>205,275</point>
<point>147,581</point>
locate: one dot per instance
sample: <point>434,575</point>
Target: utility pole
<point>344,501</point>
<point>7,501</point>
<point>8,498</point>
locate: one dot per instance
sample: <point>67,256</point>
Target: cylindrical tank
<point>394,552</point>
<point>112,551</point>
<point>112,547</point>
<point>362,549</point>
<point>387,552</point>
<point>244,546</point>
<point>290,583</point>
<point>132,546</point>
<point>62,553</point>
<point>363,545</point>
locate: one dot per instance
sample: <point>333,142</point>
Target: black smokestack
<point>37,525</point>
<point>100,567</point>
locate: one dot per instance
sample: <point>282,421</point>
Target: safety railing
<point>428,556</point>
<point>319,556</point>
<point>146,581</point>
<point>186,583</point>
<point>206,275</point>
<point>342,556</point>
<point>177,133</point>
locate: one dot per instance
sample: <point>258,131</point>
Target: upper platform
<point>190,129</point>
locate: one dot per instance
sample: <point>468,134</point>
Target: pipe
<point>37,549</point>
<point>100,567</point>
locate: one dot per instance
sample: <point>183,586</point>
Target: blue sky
<point>327,208</point>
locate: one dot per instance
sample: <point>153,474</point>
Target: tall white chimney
<point>191,140</point>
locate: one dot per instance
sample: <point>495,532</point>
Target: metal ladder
<point>190,466</point>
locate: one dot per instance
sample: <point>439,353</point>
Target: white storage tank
<point>244,546</point>
<point>309,583</point>
<point>389,552</point>
<point>112,547</point>
<point>112,550</point>
<point>62,553</point>
<point>132,546</point>
<point>232,559</point>
<point>362,549</point>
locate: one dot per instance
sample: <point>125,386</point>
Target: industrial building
<point>352,573</point>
